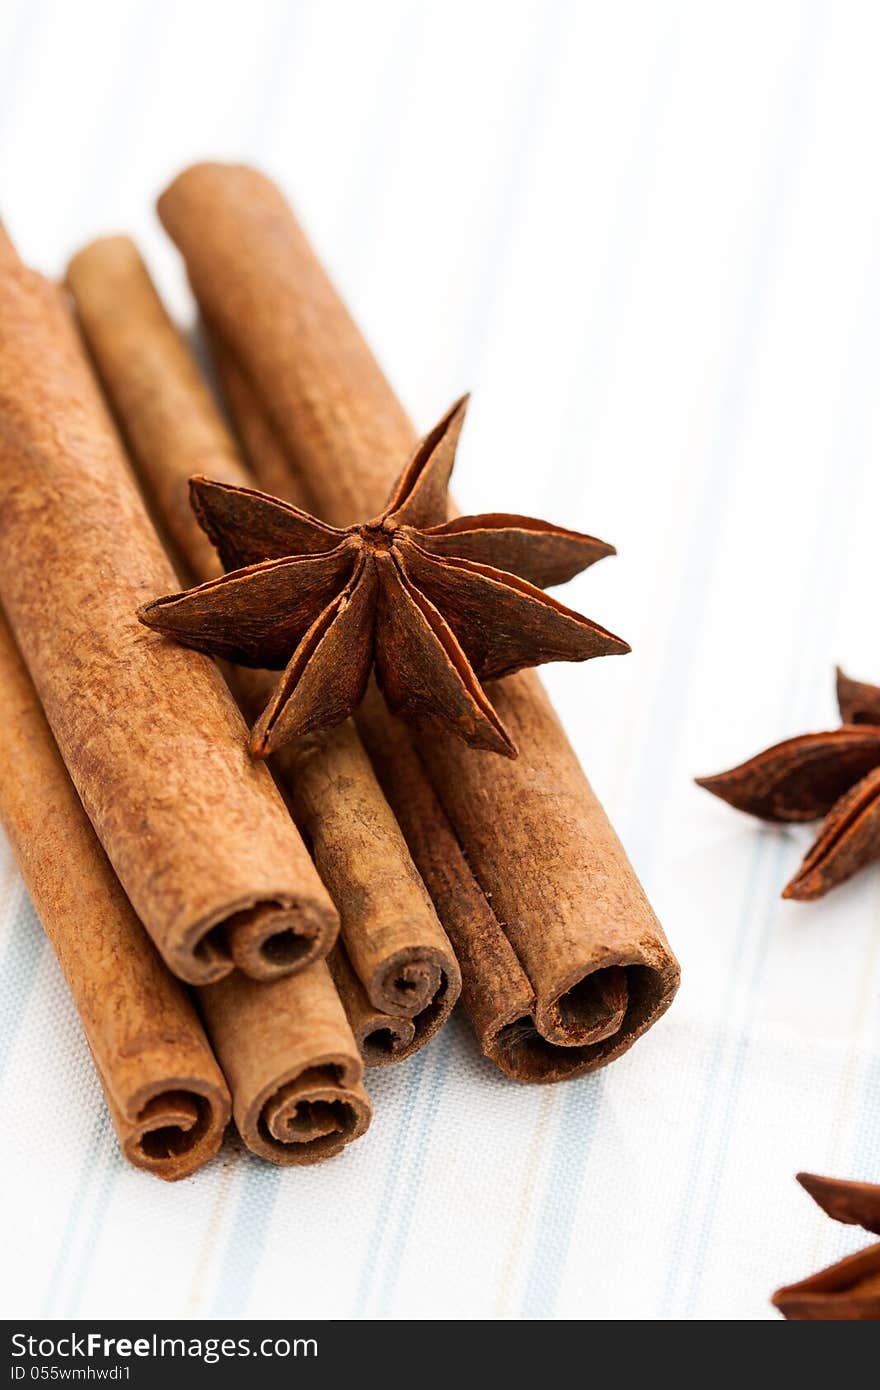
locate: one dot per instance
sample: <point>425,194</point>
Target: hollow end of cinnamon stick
<point>264,938</point>
<point>307,1115</point>
<point>269,939</point>
<point>173,1127</point>
<point>589,1007</point>
<point>410,980</point>
<point>595,1021</point>
<point>384,1037</point>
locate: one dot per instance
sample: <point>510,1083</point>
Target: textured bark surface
<point>532,831</point>
<point>165,1092</point>
<point>394,941</point>
<point>197,834</point>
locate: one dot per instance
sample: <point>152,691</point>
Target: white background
<point>646,237</point>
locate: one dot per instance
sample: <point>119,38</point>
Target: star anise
<point>835,775</point>
<point>850,1289</point>
<point>437,606</point>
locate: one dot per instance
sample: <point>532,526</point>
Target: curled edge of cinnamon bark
<point>130,717</point>
<point>394,945</point>
<point>511,1028</point>
<point>848,1291</point>
<point>165,1093</point>
<point>292,1064</point>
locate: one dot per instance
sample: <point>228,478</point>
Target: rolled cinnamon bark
<point>393,939</point>
<point>196,831</point>
<point>165,1092</point>
<point>292,1064</point>
<point>532,830</point>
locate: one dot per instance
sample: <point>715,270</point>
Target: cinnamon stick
<point>196,832</point>
<point>532,830</point>
<point>394,942</point>
<point>165,1092</point>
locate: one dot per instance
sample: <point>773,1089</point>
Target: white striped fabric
<point>646,237</point>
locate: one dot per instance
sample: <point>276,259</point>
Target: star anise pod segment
<point>436,606</point>
<point>835,775</point>
<point>849,1290</point>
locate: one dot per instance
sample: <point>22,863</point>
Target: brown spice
<point>196,832</point>
<point>394,942</point>
<point>436,605</point>
<point>165,1092</point>
<point>849,1290</point>
<point>533,833</point>
<point>835,775</point>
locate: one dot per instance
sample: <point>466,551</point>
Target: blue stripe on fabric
<point>442,1054</point>
<point>260,1186</point>
<point>406,1105</point>
<point>669,709</point>
<point>712,1095</point>
<point>87,1172</point>
<point>109,1169</point>
<point>730,1099</point>
<point>577,1127</point>
<point>18,971</point>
